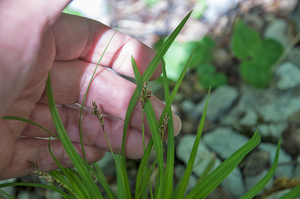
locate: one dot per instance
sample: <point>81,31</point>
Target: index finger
<point>82,38</point>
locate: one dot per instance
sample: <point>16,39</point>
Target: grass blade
<point>73,155</point>
<point>86,92</point>
<point>70,183</point>
<point>27,121</point>
<point>223,170</point>
<point>102,180</point>
<point>135,96</point>
<point>189,167</point>
<point>293,194</point>
<point>168,180</point>
<point>154,130</point>
<point>262,183</point>
<point>147,74</point>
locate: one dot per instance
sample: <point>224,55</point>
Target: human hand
<point>70,48</point>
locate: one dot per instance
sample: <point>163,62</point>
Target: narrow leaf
<point>262,183</point>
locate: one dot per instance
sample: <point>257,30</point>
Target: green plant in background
<point>199,9</point>
<point>201,61</point>
<point>257,55</point>
<point>82,183</point>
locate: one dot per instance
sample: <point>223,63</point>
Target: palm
<point>71,49</point>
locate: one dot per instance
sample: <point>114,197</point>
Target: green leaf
<point>168,180</point>
<point>189,167</point>
<point>255,74</point>
<point>28,121</point>
<point>293,194</point>
<point>206,70</point>
<point>209,77</point>
<point>67,144</point>
<point>245,40</point>
<point>269,51</point>
<point>146,76</point>
<point>201,190</point>
<point>87,90</point>
<point>102,180</point>
<point>218,80</point>
<point>203,53</point>
<point>262,183</point>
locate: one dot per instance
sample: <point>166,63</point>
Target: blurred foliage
<point>210,77</point>
<point>256,55</point>
<point>179,53</point>
<point>151,2</point>
<point>199,9</point>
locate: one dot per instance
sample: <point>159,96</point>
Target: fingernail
<point>177,124</point>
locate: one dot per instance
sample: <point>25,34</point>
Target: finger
<point>111,92</point>
<point>86,39</point>
<point>93,134</point>
<point>36,150</point>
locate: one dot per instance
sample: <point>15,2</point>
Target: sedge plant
<point>84,181</point>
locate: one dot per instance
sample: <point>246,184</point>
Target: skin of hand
<point>35,38</point>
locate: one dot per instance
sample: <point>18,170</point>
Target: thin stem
<point>285,52</point>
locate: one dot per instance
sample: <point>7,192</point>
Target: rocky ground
<point>236,110</point>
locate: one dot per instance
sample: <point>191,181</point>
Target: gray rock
<point>224,141</point>
<point>294,56</point>
<point>277,30</point>
<point>107,164</point>
<point>190,108</point>
<point>250,119</point>
<point>279,194</point>
<point>273,130</point>
<point>281,170</point>
<point>233,184</point>
<point>251,181</point>
<point>53,194</point>
<point>271,105</point>
<point>288,76</point>
<point>255,163</point>
<point>219,102</point>
<point>297,169</point>
<point>179,171</point>
<point>203,157</point>
<point>26,195</point>
<point>9,190</point>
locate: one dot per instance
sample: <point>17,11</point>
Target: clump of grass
<point>84,182</point>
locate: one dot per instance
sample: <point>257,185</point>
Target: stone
<point>297,169</point>
<point>219,102</point>
<point>203,157</point>
<point>250,119</point>
<point>279,194</point>
<point>251,181</point>
<point>107,164</point>
<point>9,190</point>
<point>273,130</point>
<point>218,193</point>
<point>294,56</point>
<point>24,194</point>
<point>282,170</point>
<point>233,184</point>
<point>255,163</point>
<point>288,76</point>
<point>190,108</point>
<point>291,140</point>
<point>179,171</point>
<point>277,30</point>
<point>224,141</point>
